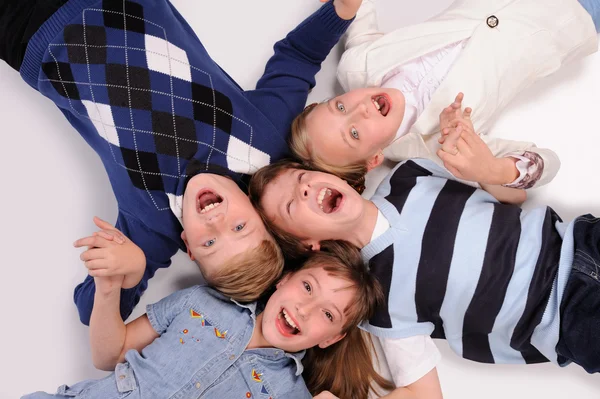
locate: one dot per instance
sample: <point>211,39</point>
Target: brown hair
<point>346,367</point>
<point>291,245</point>
<point>248,275</point>
<point>301,149</point>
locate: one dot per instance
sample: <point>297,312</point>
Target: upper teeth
<point>376,103</point>
<point>289,320</point>
<point>322,193</point>
<point>210,207</point>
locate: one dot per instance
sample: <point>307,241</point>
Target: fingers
<point>450,140</point>
<point>111,235</point>
<point>458,101</point>
<point>467,113</point>
<point>92,254</point>
<point>449,161</point>
<point>92,241</point>
<point>102,224</point>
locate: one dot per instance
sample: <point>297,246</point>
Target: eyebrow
<point>332,304</point>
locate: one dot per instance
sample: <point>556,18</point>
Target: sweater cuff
<point>39,42</point>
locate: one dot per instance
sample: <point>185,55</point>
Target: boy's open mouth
<point>382,103</point>
<point>329,200</point>
<point>287,324</point>
<point>207,200</point>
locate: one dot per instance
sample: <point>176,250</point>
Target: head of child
<point>304,207</point>
<point>346,134</point>
<point>227,238</point>
<point>318,308</point>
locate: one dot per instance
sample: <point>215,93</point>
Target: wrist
<point>506,171</point>
<point>107,289</point>
<point>343,11</point>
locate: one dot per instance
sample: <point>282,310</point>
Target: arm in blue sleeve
<point>282,91</point>
<point>158,250</point>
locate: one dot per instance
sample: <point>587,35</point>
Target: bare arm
<point>427,387</point>
<point>110,338</point>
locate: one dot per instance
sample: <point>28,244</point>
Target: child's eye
<point>354,133</point>
<point>307,287</point>
<point>329,316</point>
<point>340,106</point>
<point>240,227</point>
<point>210,243</point>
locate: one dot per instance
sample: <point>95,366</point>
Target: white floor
<point>53,184</point>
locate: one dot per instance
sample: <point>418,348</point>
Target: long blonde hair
<point>301,149</point>
<point>346,367</point>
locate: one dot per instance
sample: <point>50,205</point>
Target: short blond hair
<point>302,150</point>
<point>248,275</point>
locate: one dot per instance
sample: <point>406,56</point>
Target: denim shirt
<point>201,353</point>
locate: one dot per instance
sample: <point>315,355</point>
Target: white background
<point>53,184</point>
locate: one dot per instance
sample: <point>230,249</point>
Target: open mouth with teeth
<point>287,324</point>
<point>382,103</point>
<point>207,200</point>
<point>329,200</point>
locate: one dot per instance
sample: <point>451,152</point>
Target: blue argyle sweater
<point>457,264</point>
<point>137,84</point>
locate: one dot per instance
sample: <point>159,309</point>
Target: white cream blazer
<point>511,44</point>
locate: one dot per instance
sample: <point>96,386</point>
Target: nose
<point>302,192</point>
<point>363,109</point>
<point>304,309</point>
<point>215,218</point>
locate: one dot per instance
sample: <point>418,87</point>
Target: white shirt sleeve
<point>405,360</point>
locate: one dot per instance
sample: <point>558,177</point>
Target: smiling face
<point>308,309</point>
<point>219,221</point>
<point>356,126</point>
<point>312,205</point>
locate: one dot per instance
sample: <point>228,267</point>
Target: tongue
<point>384,106</point>
<point>208,198</point>
<point>331,201</point>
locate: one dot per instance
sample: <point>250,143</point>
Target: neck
<point>363,231</point>
<point>258,339</point>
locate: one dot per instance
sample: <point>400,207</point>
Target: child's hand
<point>106,257</point>
<point>345,9</point>
<point>468,157</point>
<point>450,114</point>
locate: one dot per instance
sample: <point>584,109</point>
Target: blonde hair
<point>248,275</point>
<point>346,367</point>
<point>301,149</point>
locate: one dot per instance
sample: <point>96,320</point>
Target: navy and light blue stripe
<point>461,266</point>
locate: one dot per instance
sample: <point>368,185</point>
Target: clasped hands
<point>111,258</point>
<point>465,154</point>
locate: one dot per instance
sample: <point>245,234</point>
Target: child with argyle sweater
<point>177,136</point>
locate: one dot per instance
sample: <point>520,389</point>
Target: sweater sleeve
<point>158,250</point>
<point>282,91</point>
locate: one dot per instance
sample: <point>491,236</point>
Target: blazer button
<point>492,21</point>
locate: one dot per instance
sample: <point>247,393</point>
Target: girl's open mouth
<point>382,103</point>
<point>286,324</point>
<point>329,200</point>
<point>207,200</point>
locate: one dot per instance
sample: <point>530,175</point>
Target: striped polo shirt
<point>457,264</point>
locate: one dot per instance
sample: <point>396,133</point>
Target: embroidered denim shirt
<point>201,353</point>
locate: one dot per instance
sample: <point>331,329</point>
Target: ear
<point>312,245</point>
<point>184,238</point>
<point>375,160</point>
<point>331,341</point>
<point>283,280</point>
